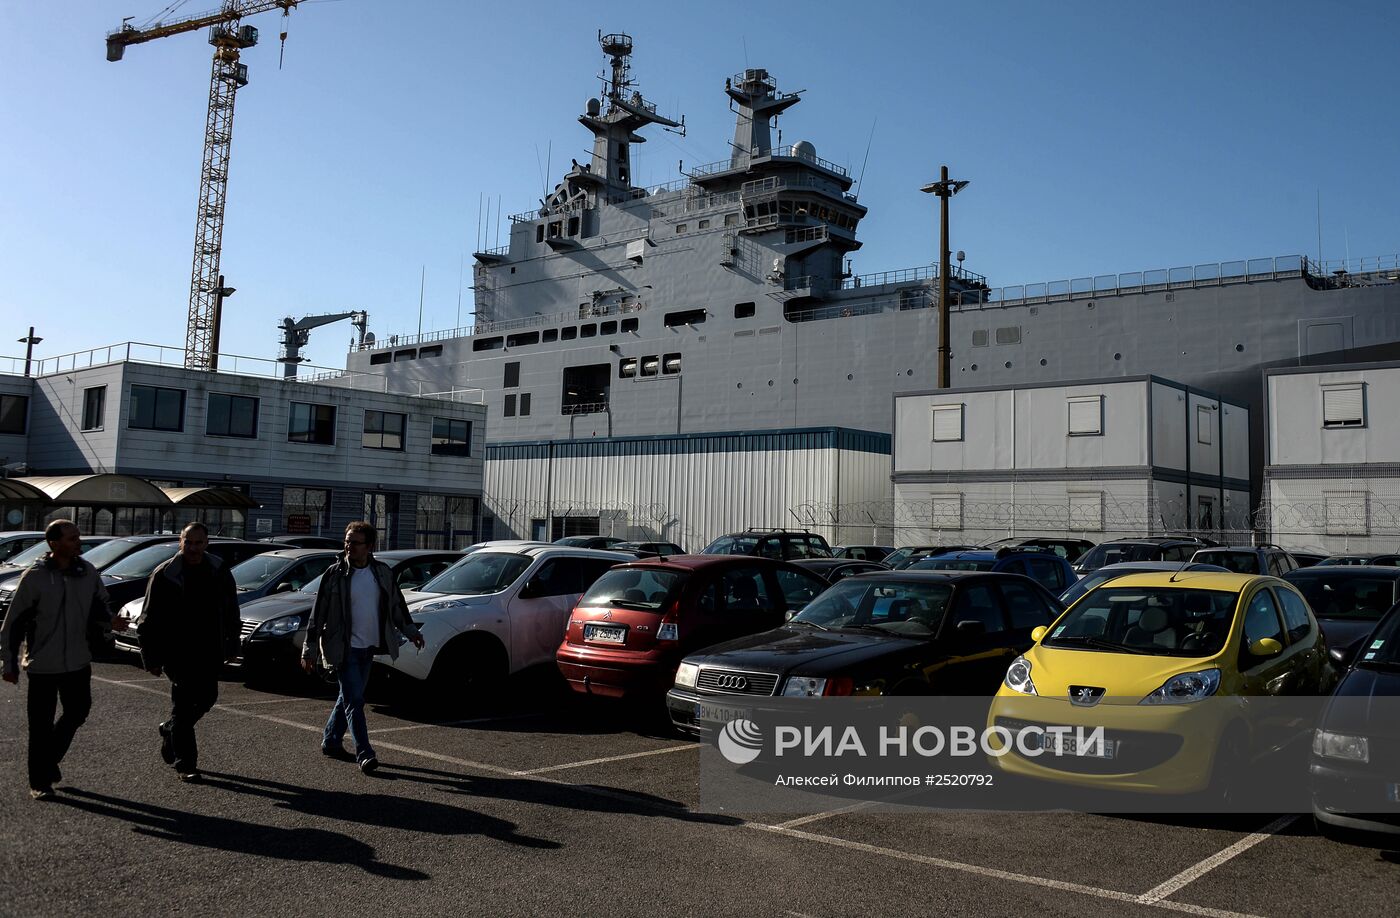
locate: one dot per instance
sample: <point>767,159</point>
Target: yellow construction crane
<point>229,37</point>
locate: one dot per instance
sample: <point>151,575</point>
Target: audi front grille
<point>734,682</point>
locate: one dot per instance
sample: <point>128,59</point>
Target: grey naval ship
<point>722,304</point>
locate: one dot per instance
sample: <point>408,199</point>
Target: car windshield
<point>894,558</point>
<point>1339,561</point>
<point>1382,648</point>
<point>314,585</point>
<point>141,563</point>
<point>732,545</point>
<point>898,608</point>
<point>1160,621</point>
<point>254,573</point>
<point>1087,583</point>
<point>953,564</point>
<point>632,588</point>
<point>479,573</point>
<point>1339,595</point>
<point>1237,562</point>
<point>29,555</point>
<point>100,556</point>
<point>576,541</point>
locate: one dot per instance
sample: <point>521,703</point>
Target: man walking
<point>188,629</point>
<point>56,604</point>
<point>359,613</point>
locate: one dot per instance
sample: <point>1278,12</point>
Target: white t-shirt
<point>364,608</point>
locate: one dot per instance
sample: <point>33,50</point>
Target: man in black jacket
<point>188,629</point>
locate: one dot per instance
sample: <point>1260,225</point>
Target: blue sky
<point>1098,138</point>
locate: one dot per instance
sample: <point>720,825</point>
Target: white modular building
<point>1105,458</point>
<point>1332,470</point>
<point>310,456</point>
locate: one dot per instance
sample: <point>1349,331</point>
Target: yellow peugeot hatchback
<point>1137,657</point>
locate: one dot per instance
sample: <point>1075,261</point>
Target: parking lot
<point>537,804</point>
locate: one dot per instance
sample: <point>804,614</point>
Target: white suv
<point>495,612</point>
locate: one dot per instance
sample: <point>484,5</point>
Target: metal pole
<point>29,341</point>
<point>944,358</point>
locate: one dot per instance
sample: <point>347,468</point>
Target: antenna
<point>865,161</point>
<point>1179,571</point>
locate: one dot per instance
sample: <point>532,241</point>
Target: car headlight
<point>1018,677</point>
<point>1341,746</point>
<point>440,605</point>
<point>287,624</point>
<point>1186,688</point>
<point>803,687</point>
<point>685,675</point>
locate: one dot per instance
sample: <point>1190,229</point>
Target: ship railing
<point>498,250</point>
<point>1161,279</point>
<point>504,325</point>
<point>1383,264</point>
<point>467,396</point>
<point>743,161</point>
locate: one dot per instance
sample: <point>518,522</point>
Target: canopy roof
<point>118,490</point>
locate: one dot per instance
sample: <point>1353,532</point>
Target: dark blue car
<point>1045,568</point>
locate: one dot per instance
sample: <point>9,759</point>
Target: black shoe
<point>56,776</point>
<point>167,746</point>
<point>41,793</point>
<point>190,777</point>
<point>335,751</point>
<point>368,764</point>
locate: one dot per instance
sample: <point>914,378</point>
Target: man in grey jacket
<point>359,613</point>
<point>55,605</point>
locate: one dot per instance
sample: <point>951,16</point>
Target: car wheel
<point>465,673</point>
<point>1228,789</point>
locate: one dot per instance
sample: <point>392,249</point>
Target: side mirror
<point>531,589</point>
<point>1039,632</point>
<point>1265,648</point>
<point>283,587</point>
<point>970,628</point>
<point>790,614</point>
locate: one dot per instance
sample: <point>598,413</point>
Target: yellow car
<point>1164,663</point>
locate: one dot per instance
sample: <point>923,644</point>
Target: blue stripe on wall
<point>861,441</point>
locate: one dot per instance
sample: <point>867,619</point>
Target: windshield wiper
<point>1088,640</point>
<point>803,621</point>
<point>631,604</point>
<point>876,629</point>
<point>1378,664</point>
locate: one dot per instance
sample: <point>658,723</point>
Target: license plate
<point>605,634</point>
<point>718,713</point>
<point>1061,744</point>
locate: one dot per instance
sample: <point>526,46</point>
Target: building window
<point>445,522</point>
<point>947,423</point>
<point>1347,512</point>
<point>452,437</point>
<point>307,423</point>
<point>382,512</point>
<point>1086,416</point>
<point>14,413</point>
<point>524,404</point>
<point>1086,511</point>
<point>383,430</point>
<point>512,375</point>
<point>509,409</point>
<point>1344,406</point>
<point>94,407</point>
<point>231,416</point>
<point>154,408</point>
<point>306,510</point>
<point>947,511</point>
<point>1205,423</point>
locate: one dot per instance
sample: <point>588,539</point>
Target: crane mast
<point>229,37</point>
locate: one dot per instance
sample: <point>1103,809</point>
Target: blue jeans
<point>349,708</point>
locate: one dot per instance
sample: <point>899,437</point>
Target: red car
<point>631,629</point>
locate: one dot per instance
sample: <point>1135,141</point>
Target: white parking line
<point>993,873</point>
<point>611,758</point>
<point>459,723</point>
<point>803,820</point>
<point>1195,872</point>
<point>244,704</point>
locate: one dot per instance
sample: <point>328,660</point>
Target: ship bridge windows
<point>523,338</point>
<point>568,334</point>
<point>431,351</point>
<point>586,388</point>
<point>744,310</point>
<point>549,334</point>
<point>629,325</point>
<point>588,331</point>
<point>488,344</point>
<point>382,357</point>
<point>608,328</point>
<point>539,237</point>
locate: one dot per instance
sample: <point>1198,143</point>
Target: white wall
<point>1296,434</point>
<point>1298,512</point>
<point>1002,508</point>
<point>1168,427</point>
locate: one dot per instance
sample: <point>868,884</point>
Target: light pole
<point>29,341</point>
<point>945,189</point>
<point>221,293</point>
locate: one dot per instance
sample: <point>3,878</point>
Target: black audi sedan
<point>1355,763</point>
<point>891,633</point>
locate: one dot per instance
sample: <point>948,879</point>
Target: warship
<point>723,304</point>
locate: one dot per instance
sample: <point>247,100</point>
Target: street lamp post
<point>945,189</point>
<point>29,341</point>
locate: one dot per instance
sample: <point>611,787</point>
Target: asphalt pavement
<point>536,804</point>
